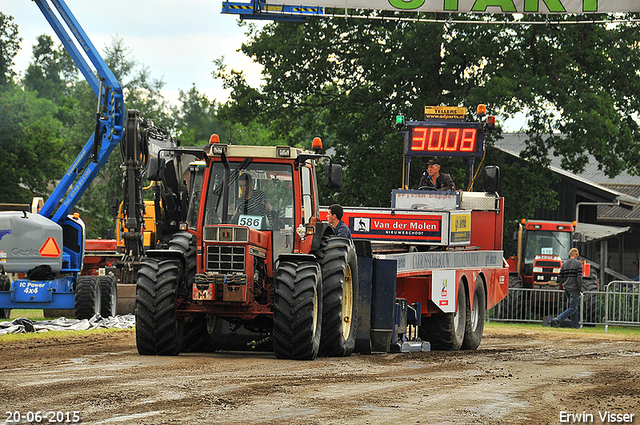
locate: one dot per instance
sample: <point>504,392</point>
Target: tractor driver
<point>251,202</point>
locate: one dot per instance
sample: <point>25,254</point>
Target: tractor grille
<point>547,263</point>
<point>225,259</point>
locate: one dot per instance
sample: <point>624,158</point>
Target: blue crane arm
<point>110,114</point>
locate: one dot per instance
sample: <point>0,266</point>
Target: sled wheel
<point>446,331</point>
<point>474,325</point>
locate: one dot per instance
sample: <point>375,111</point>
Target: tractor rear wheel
<point>590,300</point>
<point>297,310</point>
<point>475,317</point>
<point>340,290</point>
<point>108,295</point>
<point>87,299</point>
<point>158,329</point>
<point>512,306</point>
<point>446,332</point>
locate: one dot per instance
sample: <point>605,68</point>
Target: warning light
<point>50,248</point>
<point>214,139</point>
<point>316,145</point>
<point>482,110</point>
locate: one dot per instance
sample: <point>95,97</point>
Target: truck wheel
<point>446,332</point>
<point>297,310</point>
<point>339,292</point>
<point>158,329</point>
<point>87,297</point>
<point>5,285</point>
<point>474,325</point>
<point>590,300</point>
<point>108,295</point>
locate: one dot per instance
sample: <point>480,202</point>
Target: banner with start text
<point>544,7</point>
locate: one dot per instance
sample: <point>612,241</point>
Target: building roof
<point>514,143</point>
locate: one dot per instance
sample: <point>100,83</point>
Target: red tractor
<point>542,247</point>
<point>252,265</point>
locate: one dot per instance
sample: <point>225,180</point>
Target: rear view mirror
<point>491,178</point>
<point>333,176</point>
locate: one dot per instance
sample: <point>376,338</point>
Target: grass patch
<point>32,314</point>
<point>4,339</point>
<point>630,331</point>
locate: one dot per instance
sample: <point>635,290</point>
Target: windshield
<point>194,178</point>
<point>547,243</point>
<point>260,195</point>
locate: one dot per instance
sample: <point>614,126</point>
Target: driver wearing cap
<point>433,179</point>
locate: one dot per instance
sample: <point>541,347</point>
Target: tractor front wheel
<point>297,310</point>
<point>158,329</point>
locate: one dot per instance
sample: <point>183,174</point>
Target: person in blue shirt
<point>335,219</point>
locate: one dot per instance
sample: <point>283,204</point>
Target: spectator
<point>571,279</point>
<point>335,219</point>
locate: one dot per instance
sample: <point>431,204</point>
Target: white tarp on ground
<point>23,325</point>
<point>478,6</point>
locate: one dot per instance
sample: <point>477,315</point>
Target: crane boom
<point>110,113</point>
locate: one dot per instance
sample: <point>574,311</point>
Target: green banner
<point>543,7</point>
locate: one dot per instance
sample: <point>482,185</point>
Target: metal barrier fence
<point>622,303</point>
<point>618,304</point>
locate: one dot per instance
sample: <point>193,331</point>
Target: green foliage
<point>345,80</point>
<point>9,47</point>
<point>32,149</point>
<point>196,118</point>
<point>52,72</point>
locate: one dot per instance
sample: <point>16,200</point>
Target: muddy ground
<point>538,377</point>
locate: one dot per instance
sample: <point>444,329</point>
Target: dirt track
<point>512,378</point>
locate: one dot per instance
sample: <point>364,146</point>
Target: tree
<point>32,149</point>
<point>196,118</point>
<point>347,79</point>
<point>142,93</point>
<point>9,47</point>
<point>52,72</point>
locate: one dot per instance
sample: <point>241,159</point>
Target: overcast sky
<point>176,40</point>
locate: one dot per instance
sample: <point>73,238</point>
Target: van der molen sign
<point>543,7</point>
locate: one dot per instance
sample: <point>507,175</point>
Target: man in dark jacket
<point>432,178</point>
<point>571,279</point>
<point>335,219</point>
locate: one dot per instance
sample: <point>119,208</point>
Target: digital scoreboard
<point>444,139</point>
